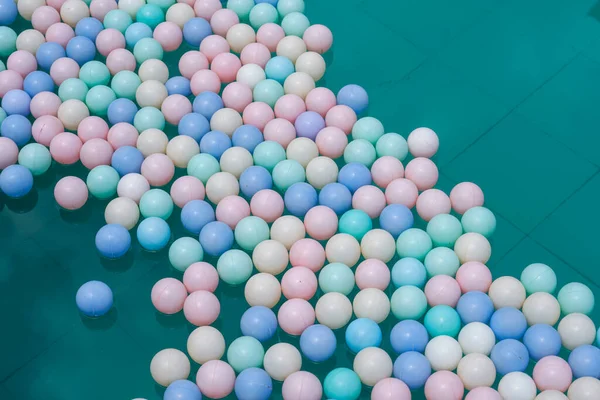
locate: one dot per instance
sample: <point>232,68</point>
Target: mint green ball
<point>148,118</point>
<point>245,352</point>
<point>241,7</point>
<point>125,84</point>
<point>117,19</point>
<point>156,203</point>
<point>441,261</point>
<point>147,49</point>
<point>414,243</point>
<point>576,297</point>
<point>408,302</point>
<point>251,231</point>
<point>35,157</point>
<point>479,220</point>
<point>102,181</point>
<point>234,267</point>
<point>94,73</point>
<point>8,41</point>
<point>268,91</point>
<point>444,230</point>
<point>538,278</point>
<point>442,320</point>
<point>356,223</point>
<point>286,7</point>
<point>151,15</point>
<point>342,383</point>
<point>268,154</point>
<point>392,144</point>
<point>72,89</point>
<point>98,99</point>
<point>263,13</point>
<point>336,277</point>
<point>286,173</point>
<point>368,128</point>
<point>295,23</point>
<point>360,151</point>
<point>203,166</point>
<point>184,252</point>
<point>163,4</point>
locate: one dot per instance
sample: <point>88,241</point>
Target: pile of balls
<point>269,171</point>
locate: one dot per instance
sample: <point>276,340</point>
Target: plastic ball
<point>409,271</point>
<point>408,302</point>
<point>281,360</point>
<point>414,243</point>
<point>466,195</point>
<point>122,211</point>
<point>318,343</point>
<point>442,320</point>
<point>71,193</point>
<point>510,355</point>
<point>541,308</point>
<point>216,238</point>
<point>201,308</point>
<point>552,373</point>
<point>184,252</point>
<point>541,341</point>
<point>372,364</point>
<point>302,385</point>
<point>307,253</point>
<point>476,337</point>
<point>287,230</point>
<point>576,330</point>
<point>584,388</point>
<point>200,276</point>
<point>253,384</point>
<point>267,205</point>
<point>18,129</point>
<point>486,393</point>
<point>476,370</point>
<point>372,273</point>
<point>259,322</point>
<point>216,379</point>
<point>168,295</point>
<point>153,233</point>
<point>444,353</point>
<point>507,291</point>
<point>480,220</point>
<point>299,282</point>
<point>576,297</point>
<point>156,203</point>
<point>182,389</point>
<point>475,307</point>
<point>408,335</point>
<point>508,323</point>
<point>371,303</point>
<point>292,47</point>
<point>245,352</point>
<point>585,361</point>
<point>517,385</point>
<point>423,142</point>
<point>94,299</point>
<point>343,384</point>
<point>402,191</point>
<point>333,310</point>
<point>442,289</point>
<point>474,276</point>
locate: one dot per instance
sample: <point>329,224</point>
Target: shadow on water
<point>103,323</point>
<point>22,205</point>
<point>118,265</point>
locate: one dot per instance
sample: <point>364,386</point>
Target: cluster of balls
<point>271,171</point>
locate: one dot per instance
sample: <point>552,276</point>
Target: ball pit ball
<point>343,248</point>
<point>390,388</point>
<point>473,247</point>
<point>205,343</point>
<point>444,353</point>
<point>372,273</point>
<point>259,322</point>
<point>541,308</point>
<point>413,369</point>
<point>508,323</point>
<point>507,291</point>
<point>372,364</point>
<point>517,385</point>
<point>201,276</point>
<point>371,303</point>
<point>409,271</point>
<point>287,230</point>
<point>485,393</point>
<point>576,330</point>
<point>576,297</point>
<point>299,282</point>
<point>201,308</point>
<point>9,152</point>
<point>307,253</point>
<point>168,295</point>
<point>216,379</point>
<point>245,352</point>
<point>333,310</point>
<point>336,277</point>
<point>474,276</point>
<point>585,388</point>
<point>342,383</point>
<point>281,360</point>
<point>122,211</point>
<point>262,289</point>
<point>585,361</point>
<point>113,241</point>
<point>552,373</point>
<point>476,337</point>
<point>182,389</point>
<point>302,385</point>
<point>71,193</point>
<point>94,299</point>
<point>158,169</point>
<point>402,191</point>
<point>295,315</point>
<point>476,370</point>
<point>442,289</point>
<point>444,384</point>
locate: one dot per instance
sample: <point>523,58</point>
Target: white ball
<point>270,256</point>
<point>473,246</point>
<point>303,150</point>
<point>251,74</point>
<point>476,337</point>
<point>27,7</point>
<point>226,120</point>
<point>371,303</point>
<point>586,388</point>
<point>73,11</point>
<point>299,83</point>
<point>372,364</point>
<point>507,291</point>
<point>181,149</point>
<point>517,386</point>
<point>378,244</point>
<point>122,211</point>
<point>311,63</point>
<point>475,370</point>
<point>320,171</point>
<point>541,308</point>
<point>576,330</point>
<point>30,40</point>
<point>423,142</point>
<point>152,141</point>
<point>221,185</point>
<point>551,395</point>
<point>287,230</point>
<point>239,36</point>
<point>131,7</point>
<point>291,47</point>
<point>235,160</point>
<point>180,13</point>
<point>205,343</point>
<point>444,353</point>
<point>72,112</point>
<point>154,70</point>
<point>281,360</point>
<point>151,94</point>
<point>333,310</point>
<point>169,365</point>
<point>343,248</point>
<point>262,289</point>
<point>133,186</point>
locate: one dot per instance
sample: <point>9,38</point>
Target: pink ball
<point>43,17</point>
<point>237,96</point>
<point>71,193</point>
<point>65,148</point>
<point>10,80</point>
<point>23,62</point>
<point>342,117</point>
<point>270,34</point>
<point>158,169</point>
<point>552,373</point>
<point>302,385</point>
<point>255,53</point>
<point>99,8</point>
<point>226,66</point>
<point>432,202</point>
<point>122,134</point>
<point>120,60</point>
<point>385,169</point>
<point>231,210</point>
<point>92,128</point>
<point>60,33</point>
<point>201,308</point>
<point>267,204</point>
<point>175,107</point>
<point>9,152</point>
<point>320,100</point>
<point>331,142</point>
<point>279,130</point>
<point>369,199</point>
<point>257,114</point>
<point>109,40</point>
<point>45,103</point>
<point>442,290</point>
<point>56,4</point>
<point>390,389</point>
<point>186,189</point>
<point>95,152</point>
<point>372,273</point>
<point>201,276</point>
<point>192,62</point>
<point>205,80</point>
<point>402,191</point>
<point>474,276</point>
<point>216,379</point>
<point>321,222</point>
<point>63,69</point>
<point>289,107</point>
<point>318,38</point>
<point>214,45</point>
<point>45,128</point>
<point>168,295</point>
<point>483,393</point>
<point>307,253</point>
<point>466,195</point>
<point>444,385</point>
<point>169,35</point>
<point>299,283</point>
<point>423,172</point>
<point>295,315</point>
<point>222,20</point>
<point>206,8</point>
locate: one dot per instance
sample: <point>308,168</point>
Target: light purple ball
<point>308,124</point>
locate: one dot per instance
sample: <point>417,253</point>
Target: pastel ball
<point>153,233</point>
<point>402,191</point>
<point>168,295</point>
<point>267,204</point>
<point>413,369</point>
<point>255,179</point>
<point>372,273</point>
<point>408,335</point>
<point>307,253</point>
<point>234,267</point>
<point>71,193</point>
<point>576,297</point>
<point>184,252</point>
<point>475,307</point>
<point>9,152</point>
<point>444,384</point>
<point>476,337</point>
<point>442,289</point>
<point>552,373</point>
<point>342,383</point>
<point>262,289</point>
<point>480,220</point>
<point>16,181</point>
<point>409,271</point>
<point>442,320</point>
<point>396,218</point>
<point>414,243</point>
<point>474,275</point>
<point>302,385</point>
<point>94,299</point>
<point>35,157</point>
<point>423,172</point>
<point>201,308</point>
<point>392,144</point>
<point>299,282</point>
<point>216,379</point>
<point>466,195</point>
<point>353,96</point>
<point>253,384</point>
<point>508,323</point>
<point>282,360</point>
<point>245,352</point>
<point>182,389</point>
<point>318,343</point>
<point>510,355</point>
<point>200,276</point>
<point>133,186</point>
<point>408,302</point>
<point>216,238</point>
<point>541,341</point>
<point>585,361</point>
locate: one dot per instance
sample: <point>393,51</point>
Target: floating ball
<point>262,289</point>
<point>245,352</point>
<point>200,276</point>
<point>442,320</point>
<point>318,343</point>
<point>476,370</point>
<point>302,385</point>
<point>541,308</point>
<point>153,233</point>
<point>94,299</point>
<point>576,297</point>
<point>442,289</point>
<point>122,211</point>
<point>307,253</point>
<point>156,203</point>
<point>585,361</point>
<point>343,248</point>
<point>507,291</point>
<point>414,243</point>
<point>480,220</point>
<point>474,276</point>
<point>16,181</point>
<point>295,315</point>
<point>336,277</point>
<point>552,373</point>
<point>402,191</point>
<point>34,157</point>
<point>362,333</point>
<point>444,384</point>
<point>342,383</point>
<point>510,355</point>
<point>184,252</point>
<point>409,271</point>
<point>476,337</point>
<point>372,364</point>
<point>201,308</point>
<point>253,384</point>
<point>576,330</point>
<point>216,379</point>
<point>441,261</point>
<point>541,341</point>
<point>409,335</point>
<point>71,193</point>
<point>408,302</point>
<point>234,267</point>
<point>371,303</point>
<point>517,385</point>
<point>333,310</point>
<point>584,388</point>
<point>259,322</point>
<point>299,282</point>
<point>487,393</point>
<point>466,195</point>
<point>444,353</point>
<point>475,307</point>
<point>508,323</point>
<point>413,369</point>
<point>168,295</point>
<point>372,273</point>
<point>113,241</point>
<point>281,360</point>
<point>183,389</point>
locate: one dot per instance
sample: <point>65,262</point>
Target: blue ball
<point>195,30</point>
<point>510,355</point>
<point>215,143</point>
<point>279,68</point>
<point>193,125</point>
<point>94,299</point>
<point>207,103</point>
<point>38,81</point>
<point>17,128</point>
<point>508,323</point>
<point>542,340</point>
<point>47,53</point>
<point>81,49</point>
<point>355,97</point>
<point>248,137</point>
<point>16,181</point>
<point>182,390</point>
<point>16,102</point>
<point>396,218</point>
<point>475,307</point>
<point>259,322</point>
<point>337,197</point>
<point>318,343</point>
<point>254,179</point>
<point>89,27</point>
<point>585,361</point>
<point>362,333</point>
<point>412,368</point>
<point>8,12</point>
<point>299,198</point>
<point>153,233</point>
<point>127,160</point>
<point>253,384</point>
<point>409,271</point>
<point>195,214</point>
<point>179,85</point>
<point>216,238</point>
<point>121,110</point>
<point>354,175</point>
<point>409,335</point>
<point>113,241</point>
<point>136,32</point>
